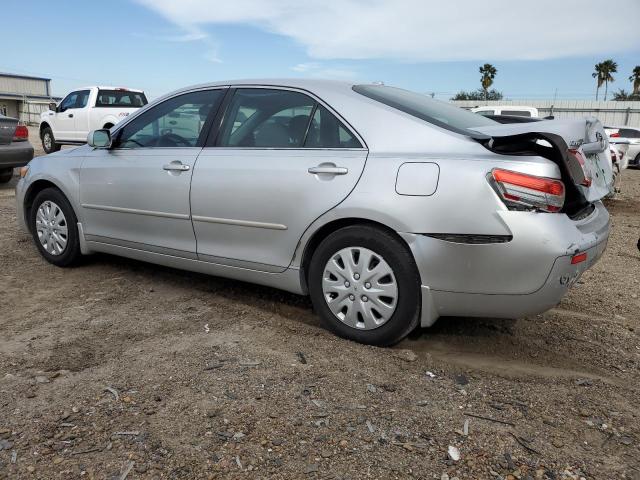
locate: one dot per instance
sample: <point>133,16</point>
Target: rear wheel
<point>53,226</point>
<point>6,174</point>
<point>48,141</point>
<point>365,286</point>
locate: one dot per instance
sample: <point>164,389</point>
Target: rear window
<point>433,111</point>
<point>516,113</point>
<point>120,98</point>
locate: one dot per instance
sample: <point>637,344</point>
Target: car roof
<point>107,87</point>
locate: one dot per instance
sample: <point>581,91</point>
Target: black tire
<point>49,144</point>
<point>6,174</point>
<point>398,256</point>
<point>71,252</point>
<point>637,161</point>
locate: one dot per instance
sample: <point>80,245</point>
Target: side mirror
<point>99,138</point>
<point>53,106</point>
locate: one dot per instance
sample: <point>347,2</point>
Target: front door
<point>66,115</point>
<point>136,194</point>
<point>280,161</point>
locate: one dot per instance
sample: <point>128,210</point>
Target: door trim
<point>241,223</point>
<point>136,211</point>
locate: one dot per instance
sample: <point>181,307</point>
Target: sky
<point>542,49</point>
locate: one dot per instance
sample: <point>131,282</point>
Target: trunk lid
<point>586,136</point>
<point>7,128</point>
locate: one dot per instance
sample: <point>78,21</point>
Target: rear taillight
<point>614,135</point>
<point>517,188</point>
<point>614,157</point>
<point>579,156</point>
<point>21,133</point>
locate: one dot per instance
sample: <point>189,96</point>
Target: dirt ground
<point>119,369</point>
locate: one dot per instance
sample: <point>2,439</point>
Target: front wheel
<point>365,285</point>
<point>53,226</point>
<point>48,141</point>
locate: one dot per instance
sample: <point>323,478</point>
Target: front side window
<point>120,98</point>
<point>438,113</point>
<point>75,100</point>
<point>176,122</point>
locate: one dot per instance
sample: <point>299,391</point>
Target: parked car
<point>86,109</point>
<point>519,111</point>
<point>390,209</point>
<point>15,149</point>
<point>629,136</point>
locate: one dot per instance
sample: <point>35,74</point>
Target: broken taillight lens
<point>517,188</point>
<point>579,156</point>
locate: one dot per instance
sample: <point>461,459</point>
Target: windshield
<point>120,98</point>
<point>433,111</point>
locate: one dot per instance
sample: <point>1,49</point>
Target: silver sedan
<point>388,208</point>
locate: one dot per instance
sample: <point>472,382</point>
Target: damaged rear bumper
<point>527,275</point>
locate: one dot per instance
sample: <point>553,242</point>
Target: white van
<point>515,110</point>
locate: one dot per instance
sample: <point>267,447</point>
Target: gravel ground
<point>119,369</point>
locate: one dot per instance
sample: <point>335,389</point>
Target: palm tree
<point>599,76</point>
<point>635,78</point>
<point>488,73</point>
<point>608,67</point>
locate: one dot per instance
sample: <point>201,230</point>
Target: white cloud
<point>321,70</point>
<point>420,30</point>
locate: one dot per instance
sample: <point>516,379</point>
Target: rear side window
<point>438,113</point>
<point>326,131</point>
<point>485,112</point>
<point>120,98</point>
<point>517,113</point>
<point>270,118</point>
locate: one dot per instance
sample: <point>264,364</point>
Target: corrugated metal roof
<point>16,75</point>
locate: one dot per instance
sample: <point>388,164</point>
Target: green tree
<point>603,74</point>
<point>487,74</point>
<point>635,79</point>
<point>478,95</point>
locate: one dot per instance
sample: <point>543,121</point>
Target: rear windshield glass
<point>517,113</point>
<point>433,111</point>
<point>120,98</point>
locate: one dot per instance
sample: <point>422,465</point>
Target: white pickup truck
<point>86,109</point>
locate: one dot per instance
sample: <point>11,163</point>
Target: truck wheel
<point>6,174</point>
<point>49,142</point>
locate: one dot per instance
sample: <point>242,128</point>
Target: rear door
<point>281,159</point>
<point>7,129</point>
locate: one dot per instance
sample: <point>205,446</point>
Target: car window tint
<point>326,131</point>
<point>176,122</point>
<point>438,113</point>
<point>120,98</point>
<point>517,113</point>
<point>629,133</point>
<point>260,117</point>
<point>485,112</point>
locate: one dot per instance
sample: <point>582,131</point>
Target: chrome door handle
<point>329,170</point>
<point>176,167</point>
